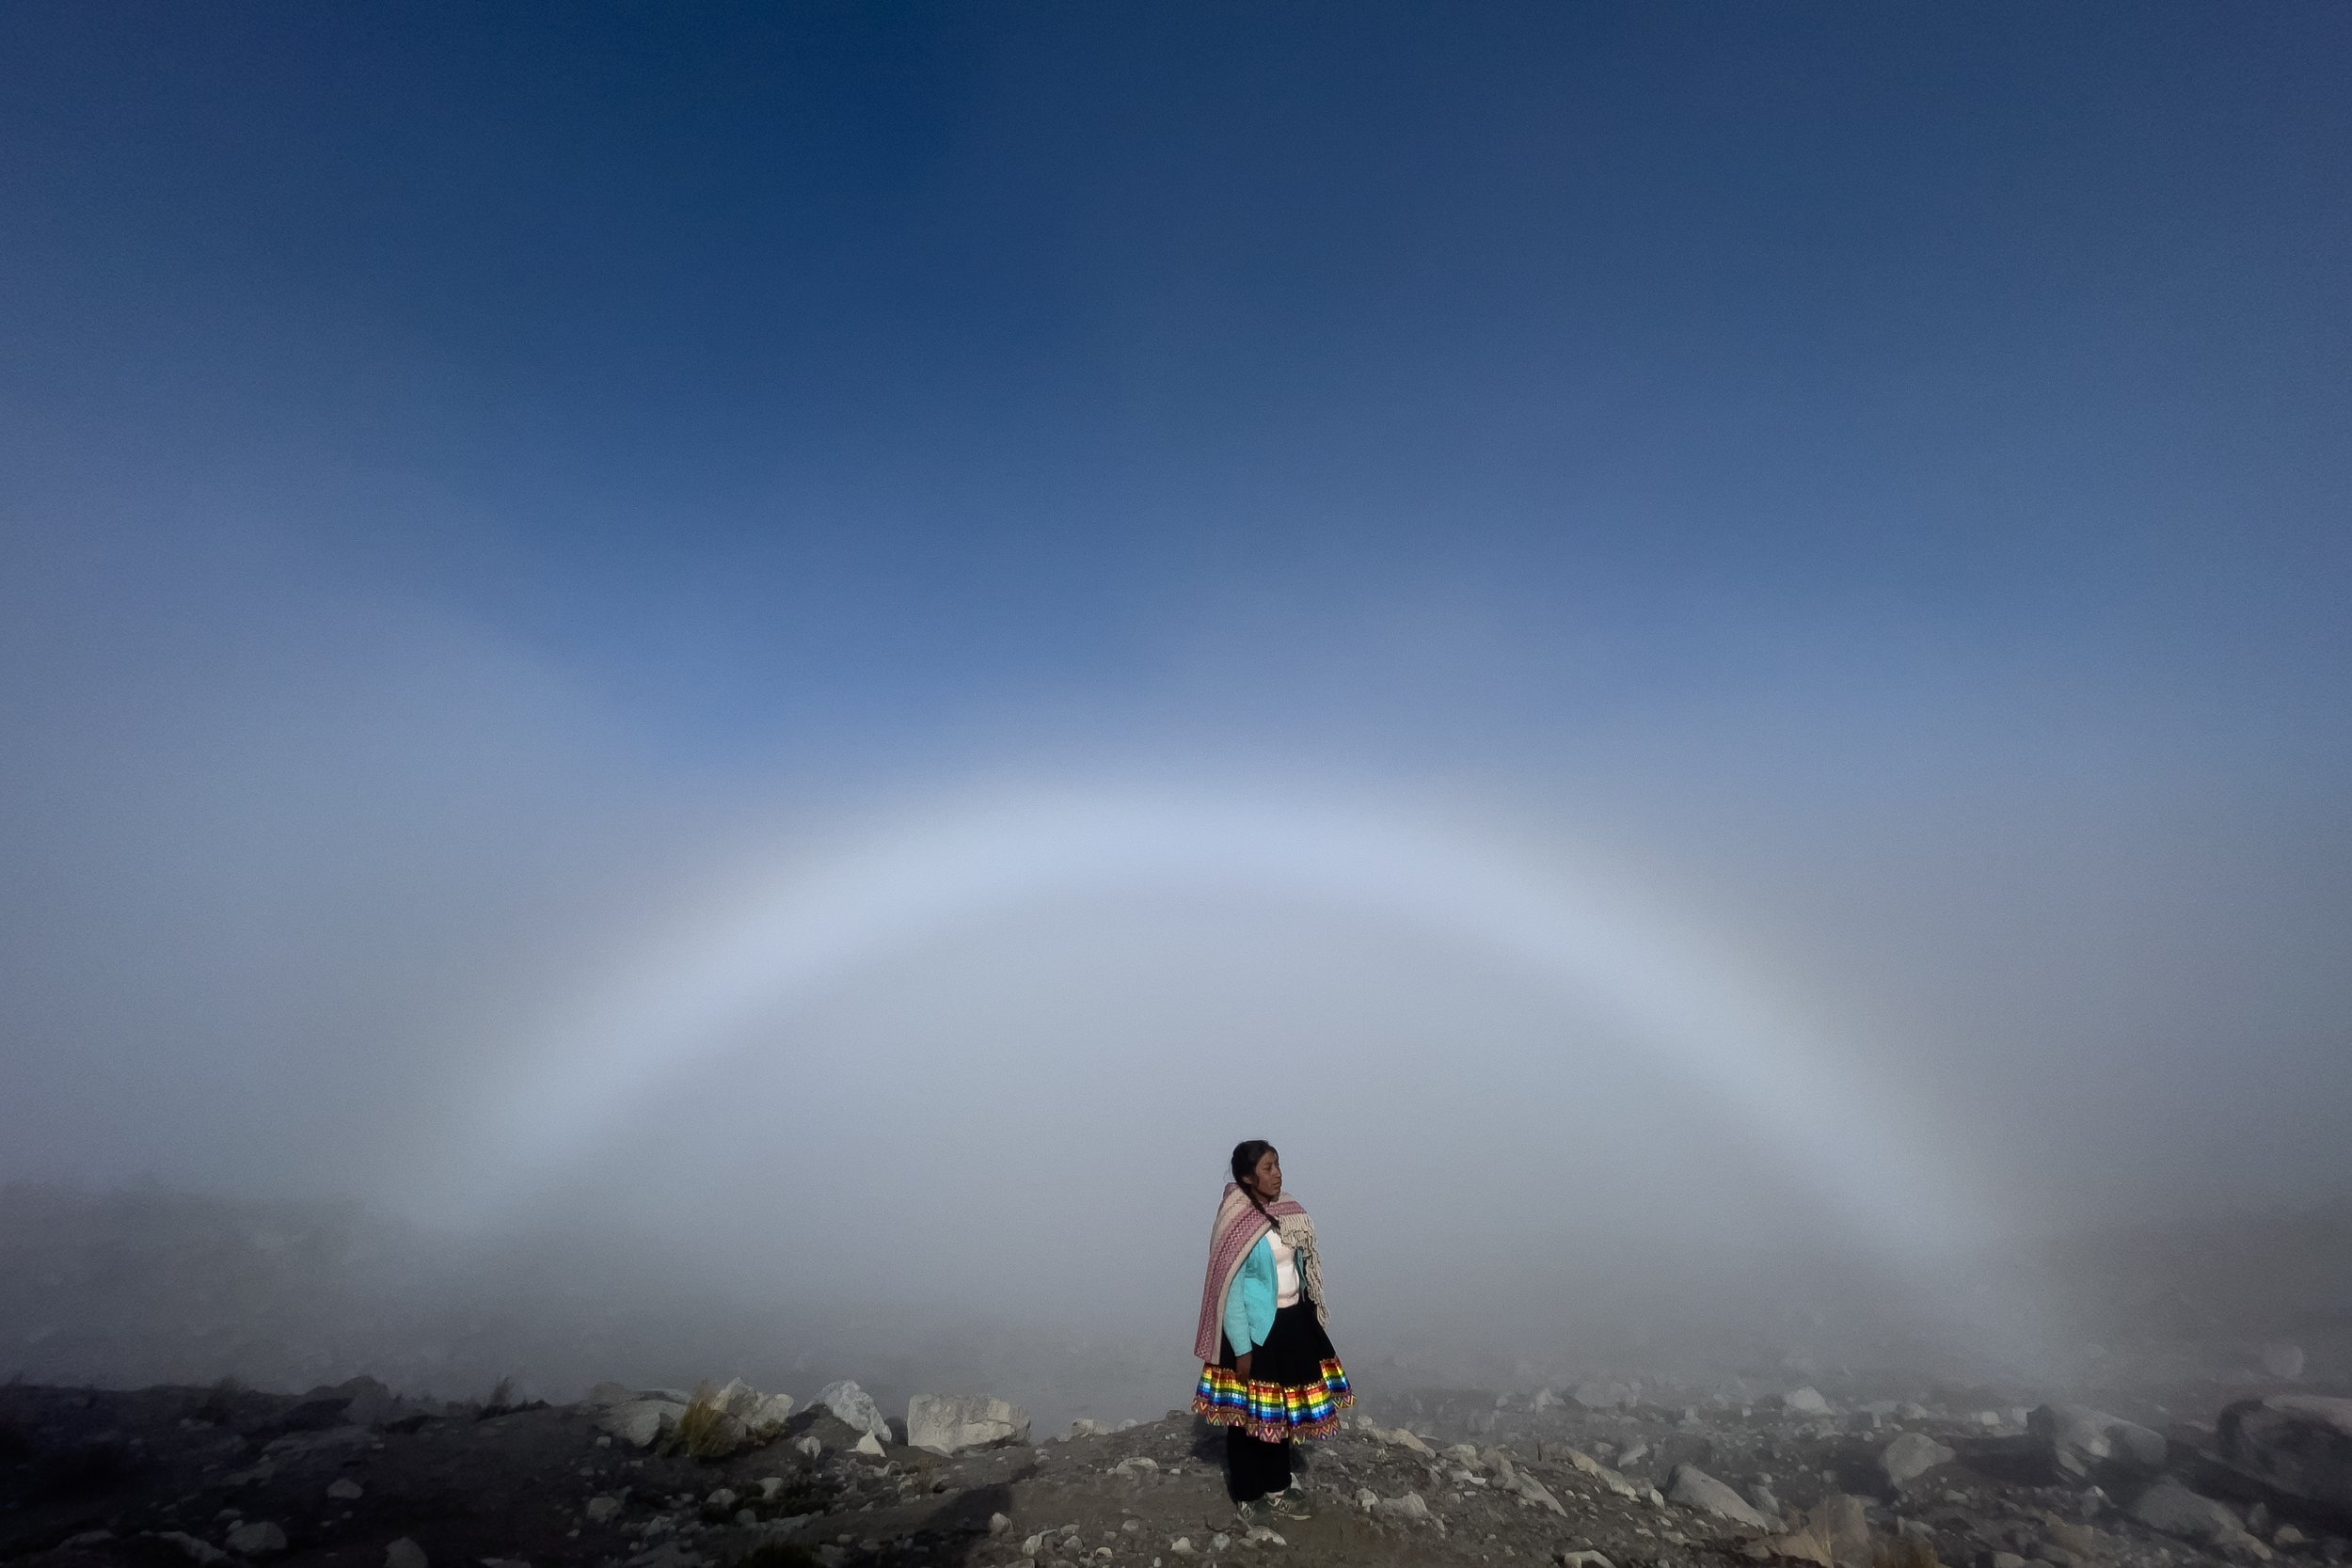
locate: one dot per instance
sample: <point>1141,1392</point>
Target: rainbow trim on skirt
<point>1271,1412</point>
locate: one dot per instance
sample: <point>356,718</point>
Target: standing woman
<point>1268,1374</point>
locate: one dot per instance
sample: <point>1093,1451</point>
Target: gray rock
<point>202,1552</point>
<point>1694,1488</point>
<point>2300,1444</point>
<point>2283,1360</point>
<point>1604,1394</point>
<point>346,1490</point>
<point>1911,1456</point>
<point>1807,1400</point>
<point>405,1553</point>
<point>1841,1524</point>
<point>1532,1490</point>
<point>949,1423</point>
<point>1586,1560</point>
<point>2169,1507</point>
<point>855,1407</point>
<point>1407,1507</point>
<point>2084,1443</point>
<point>256,1538</point>
<point>770,1414</point>
<point>602,1507</point>
<point>1635,1452</point>
<point>641,1421</point>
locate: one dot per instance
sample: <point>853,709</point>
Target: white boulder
<point>1911,1456</point>
<point>949,1423</point>
<point>855,1407</point>
<point>1694,1488</point>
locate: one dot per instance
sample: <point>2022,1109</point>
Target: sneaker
<point>1257,1511</point>
<point>1293,1504</point>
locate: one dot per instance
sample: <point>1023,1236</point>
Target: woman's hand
<point>1241,1366</point>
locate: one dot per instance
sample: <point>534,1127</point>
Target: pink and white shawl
<point>1239,1227</point>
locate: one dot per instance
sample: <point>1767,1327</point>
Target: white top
<point>1285,1271</point>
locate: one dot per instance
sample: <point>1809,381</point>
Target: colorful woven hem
<point>1271,1412</point>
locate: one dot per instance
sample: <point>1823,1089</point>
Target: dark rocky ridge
<point>353,1475</point>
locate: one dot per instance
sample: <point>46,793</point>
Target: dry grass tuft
<point>502,1396</point>
<point>706,1431</point>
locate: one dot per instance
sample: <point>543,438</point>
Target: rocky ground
<point>1608,1475</point>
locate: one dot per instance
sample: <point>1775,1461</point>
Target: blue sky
<point>1890,462</point>
<point>750,358</point>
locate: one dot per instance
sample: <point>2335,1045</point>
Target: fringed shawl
<point>1240,1227</point>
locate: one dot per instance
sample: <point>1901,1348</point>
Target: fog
<point>469,913</point>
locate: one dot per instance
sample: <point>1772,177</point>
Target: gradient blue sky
<point>1895,457</point>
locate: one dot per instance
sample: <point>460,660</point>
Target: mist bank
<point>148,1284</point>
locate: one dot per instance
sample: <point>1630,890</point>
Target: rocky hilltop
<point>1609,1474</point>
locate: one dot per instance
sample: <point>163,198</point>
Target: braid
<point>1246,1158</point>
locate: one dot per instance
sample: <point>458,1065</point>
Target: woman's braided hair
<point>1246,1158</point>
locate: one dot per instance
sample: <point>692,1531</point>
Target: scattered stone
<point>87,1538</point>
<point>2169,1507</point>
<point>2286,1538</point>
<point>346,1490</point>
<point>641,1422</point>
<point>1602,1473</point>
<point>1586,1560</point>
<point>1694,1488</point>
<point>405,1553</point>
<point>869,1446</point>
<point>1605,1394</point>
<point>602,1507</point>
<point>201,1552</point>
<point>1911,1456</point>
<point>1805,1401</point>
<point>998,1524</point>
<point>1409,1506</point>
<point>808,1447</point>
<point>1535,1491</point>
<point>950,1423</point>
<point>722,1499</point>
<point>2081,1442</point>
<point>258,1538</point>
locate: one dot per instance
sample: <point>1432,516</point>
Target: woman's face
<point>1267,1178</point>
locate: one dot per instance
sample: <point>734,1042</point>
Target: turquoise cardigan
<point>1249,1305</point>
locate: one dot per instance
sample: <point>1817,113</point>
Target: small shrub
<point>501,1398</point>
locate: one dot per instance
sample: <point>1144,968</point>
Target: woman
<point>1268,1373</point>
